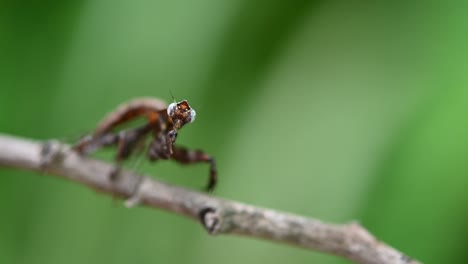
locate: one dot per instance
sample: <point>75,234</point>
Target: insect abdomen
<point>139,107</point>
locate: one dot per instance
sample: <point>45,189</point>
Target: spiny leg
<point>186,156</point>
<point>127,141</point>
<point>161,147</point>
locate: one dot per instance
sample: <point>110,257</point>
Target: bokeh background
<point>340,111</point>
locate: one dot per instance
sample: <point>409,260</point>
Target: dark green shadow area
<point>35,39</point>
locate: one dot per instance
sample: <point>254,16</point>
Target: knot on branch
<point>210,219</point>
<point>51,152</point>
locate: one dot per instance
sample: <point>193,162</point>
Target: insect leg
<point>127,141</point>
<point>160,147</point>
<point>186,156</point>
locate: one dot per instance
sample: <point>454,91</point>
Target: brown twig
<point>218,216</point>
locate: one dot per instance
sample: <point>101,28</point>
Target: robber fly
<point>162,123</point>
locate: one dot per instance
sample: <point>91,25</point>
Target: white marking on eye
<point>171,109</point>
<point>193,114</point>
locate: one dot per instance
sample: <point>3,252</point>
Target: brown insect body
<point>163,122</point>
<point>151,108</point>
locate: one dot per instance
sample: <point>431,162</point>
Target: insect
<point>162,122</point>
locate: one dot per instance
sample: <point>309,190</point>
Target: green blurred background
<point>340,111</point>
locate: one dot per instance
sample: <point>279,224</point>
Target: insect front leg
<point>186,156</point>
<point>159,148</point>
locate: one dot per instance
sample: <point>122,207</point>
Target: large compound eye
<point>171,109</point>
<point>193,114</point>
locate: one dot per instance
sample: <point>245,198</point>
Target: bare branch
<point>218,216</point>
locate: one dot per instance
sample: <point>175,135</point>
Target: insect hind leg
<point>90,144</point>
<point>127,141</point>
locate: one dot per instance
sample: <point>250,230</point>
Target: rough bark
<point>217,215</point>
